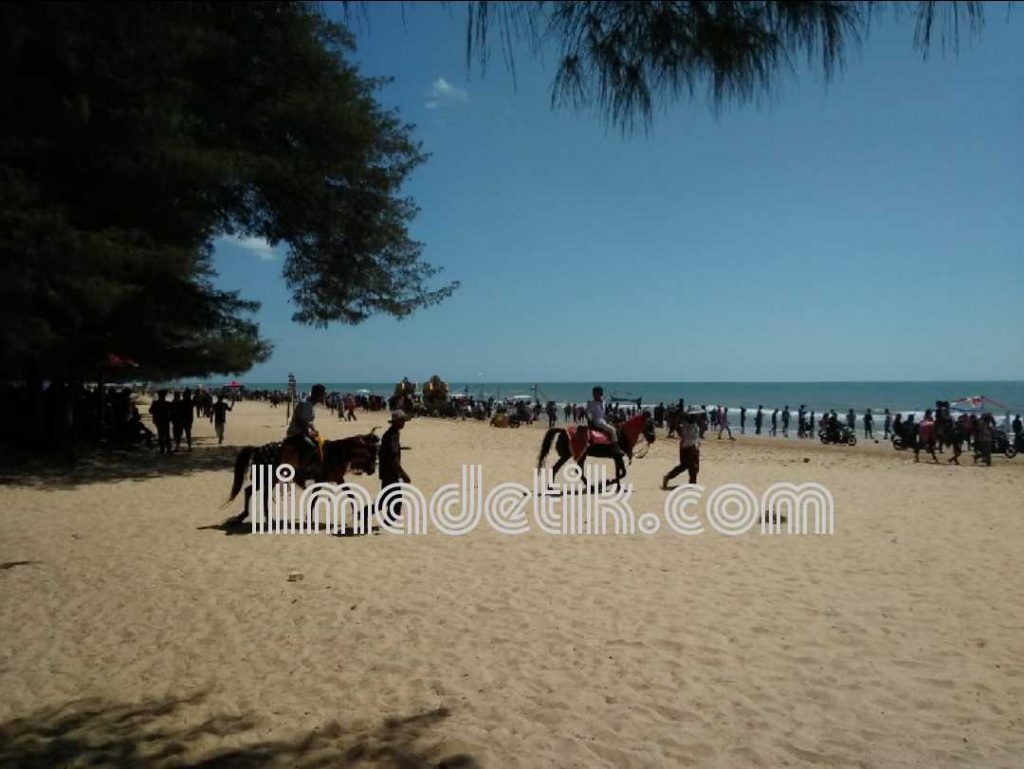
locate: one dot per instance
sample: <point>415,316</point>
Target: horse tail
<point>545,446</point>
<point>242,462</point>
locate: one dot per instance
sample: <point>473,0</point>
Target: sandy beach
<point>138,633</point>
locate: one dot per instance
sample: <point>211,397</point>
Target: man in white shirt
<point>689,447</point>
<point>301,432</point>
<point>596,418</point>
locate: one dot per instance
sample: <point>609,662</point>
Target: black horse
<point>358,453</point>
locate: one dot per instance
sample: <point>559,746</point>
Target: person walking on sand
<point>758,420</point>
<point>785,421</point>
<point>723,422</point>
<point>743,420</point>
<point>887,425</point>
<point>350,409</point>
<point>775,423</point>
<point>689,448</point>
<point>220,411</point>
<point>389,461</point>
<point>160,410</point>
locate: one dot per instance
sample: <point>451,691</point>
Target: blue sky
<point>867,229</point>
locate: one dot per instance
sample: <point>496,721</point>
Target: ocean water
<point>818,396</point>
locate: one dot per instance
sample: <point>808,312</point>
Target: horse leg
<point>245,507</point>
<point>564,453</point>
<point>620,471</point>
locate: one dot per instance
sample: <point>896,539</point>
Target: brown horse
<point>570,443</point>
<point>358,453</point>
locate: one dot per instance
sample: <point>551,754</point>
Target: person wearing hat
<point>689,447</point>
<point>389,457</point>
<point>301,432</point>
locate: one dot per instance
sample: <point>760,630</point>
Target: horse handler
<point>389,464</point>
<point>689,447</point>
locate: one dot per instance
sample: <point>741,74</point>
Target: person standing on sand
<point>775,423</point>
<point>389,459</point>
<point>689,448</point>
<point>887,425</point>
<point>160,410</point>
<point>184,417</point>
<point>177,424</point>
<point>785,421</point>
<point>220,410</point>
<point>983,439</point>
<point>743,420</point>
<point>851,419</point>
<point>869,420</point>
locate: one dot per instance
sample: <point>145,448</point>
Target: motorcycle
<point>840,435</point>
<point>1001,444</point>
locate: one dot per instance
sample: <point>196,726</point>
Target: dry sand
<point>133,634</point>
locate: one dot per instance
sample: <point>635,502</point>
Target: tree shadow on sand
<point>159,734</point>
<point>103,466</point>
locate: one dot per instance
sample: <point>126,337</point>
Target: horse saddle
<point>581,438</point>
<point>291,454</point>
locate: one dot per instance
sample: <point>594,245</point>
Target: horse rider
<point>301,433</point>
<point>597,420</point>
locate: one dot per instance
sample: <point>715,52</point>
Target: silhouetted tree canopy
<point>627,58</point>
<point>134,135</point>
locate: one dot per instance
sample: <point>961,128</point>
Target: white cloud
<point>444,94</point>
<point>256,246</point>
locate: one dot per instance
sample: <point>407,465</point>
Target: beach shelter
<point>974,404</point>
<point>234,384</point>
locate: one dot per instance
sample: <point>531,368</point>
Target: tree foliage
<point>628,58</point>
<point>134,135</point>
